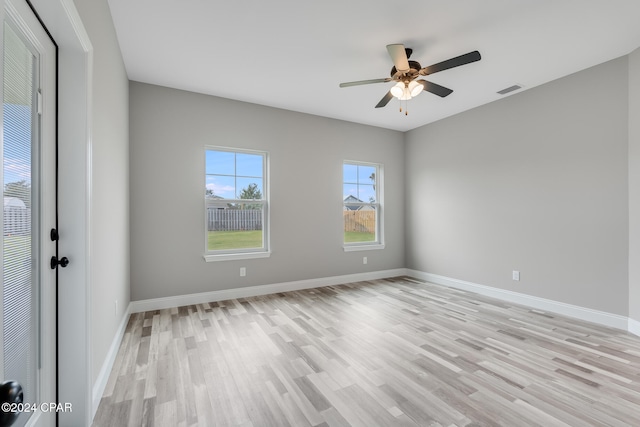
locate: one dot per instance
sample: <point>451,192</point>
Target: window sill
<point>233,257</point>
<point>357,248</point>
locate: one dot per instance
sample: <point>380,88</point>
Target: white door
<point>28,173</point>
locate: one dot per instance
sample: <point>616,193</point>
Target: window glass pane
<point>238,227</point>
<point>367,193</point>
<point>359,224</point>
<point>349,173</point>
<point>249,188</point>
<point>220,162</point>
<point>221,186</point>
<point>21,217</point>
<point>366,174</point>
<point>248,165</point>
<point>235,225</point>
<point>350,193</point>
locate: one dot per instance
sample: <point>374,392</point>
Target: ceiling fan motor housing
<point>414,68</point>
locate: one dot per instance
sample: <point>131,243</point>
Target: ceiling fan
<point>405,73</point>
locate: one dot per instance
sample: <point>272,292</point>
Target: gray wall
<point>169,130</point>
<point>536,182</point>
<point>634,185</point>
<point>109,165</point>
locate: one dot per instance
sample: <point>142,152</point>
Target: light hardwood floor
<point>394,352</point>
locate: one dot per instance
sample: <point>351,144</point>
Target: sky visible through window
<point>17,116</point>
<point>228,173</point>
<point>359,182</point>
<point>17,160</point>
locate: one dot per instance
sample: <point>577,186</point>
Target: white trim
<point>634,327</point>
<point>88,224</point>
<point>357,248</point>
<point>107,366</point>
<point>71,13</point>
<point>232,257</point>
<point>250,291</point>
<point>582,313</point>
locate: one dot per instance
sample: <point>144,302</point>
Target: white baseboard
<point>252,291</point>
<point>582,313</point>
<point>634,327</point>
<point>105,371</point>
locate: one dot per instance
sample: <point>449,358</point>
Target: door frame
<point>75,102</point>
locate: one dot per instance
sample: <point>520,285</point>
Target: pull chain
<point>406,108</point>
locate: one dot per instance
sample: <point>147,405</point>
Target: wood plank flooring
<point>394,352</point>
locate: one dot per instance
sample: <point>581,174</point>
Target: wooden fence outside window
<point>251,219</point>
<point>360,221</point>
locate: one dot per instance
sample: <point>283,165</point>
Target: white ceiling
<point>292,54</point>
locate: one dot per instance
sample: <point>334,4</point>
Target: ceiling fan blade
<point>385,100</point>
<point>467,58</point>
<point>398,56</point>
<point>436,89</point>
<point>364,82</point>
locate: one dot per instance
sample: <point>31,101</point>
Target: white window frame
<point>378,205</point>
<point>243,253</point>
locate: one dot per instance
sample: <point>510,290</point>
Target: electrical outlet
<point>516,275</point>
<point>243,271</point>
<point>364,260</point>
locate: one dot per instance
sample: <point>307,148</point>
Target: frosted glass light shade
<point>415,88</point>
<point>397,90</point>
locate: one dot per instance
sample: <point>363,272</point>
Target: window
<point>236,209</point>
<point>362,212</point>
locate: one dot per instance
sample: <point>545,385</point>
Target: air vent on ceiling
<point>509,89</point>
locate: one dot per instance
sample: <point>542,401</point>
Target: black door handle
<point>62,262</point>
<point>11,394</point>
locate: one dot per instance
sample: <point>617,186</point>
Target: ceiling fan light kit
<point>405,73</point>
<point>406,91</point>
